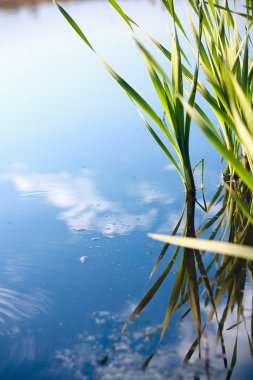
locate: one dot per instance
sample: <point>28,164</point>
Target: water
<point>81,176</point>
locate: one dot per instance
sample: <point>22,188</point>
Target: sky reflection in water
<point>80,175</point>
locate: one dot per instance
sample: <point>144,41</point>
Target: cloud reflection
<point>108,354</point>
<point>148,193</point>
<point>82,206</point>
<point>111,355</point>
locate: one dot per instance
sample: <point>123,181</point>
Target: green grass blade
<point>137,99</point>
<point>245,67</point>
<point>168,55</point>
<point>73,24</point>
<point>152,60</point>
<point>169,5</point>
<point>243,207</point>
<point>243,132</point>
<point>244,102</point>
<point>165,101</point>
<point>205,118</point>
<point>162,146</point>
<point>230,10</point>
<point>218,144</point>
<point>125,17</point>
<point>177,86</point>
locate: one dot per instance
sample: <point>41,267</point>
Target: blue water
<point>81,176</point>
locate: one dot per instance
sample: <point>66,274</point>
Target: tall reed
<point>176,130</point>
<point>223,79</point>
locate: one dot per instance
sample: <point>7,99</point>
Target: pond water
<point>82,178</point>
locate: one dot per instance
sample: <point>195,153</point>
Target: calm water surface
<point>81,176</point>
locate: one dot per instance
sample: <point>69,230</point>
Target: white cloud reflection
<point>124,354</point>
<point>148,193</point>
<point>83,208</point>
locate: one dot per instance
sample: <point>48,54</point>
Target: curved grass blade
<point>151,59</point>
<point>169,5</point>
<point>128,89</point>
<point>73,24</point>
<point>230,10</point>
<point>138,99</point>
<point>244,102</point>
<point>218,144</point>
<point>162,146</point>
<point>125,17</point>
<point>165,101</point>
<point>177,87</point>
<point>243,207</point>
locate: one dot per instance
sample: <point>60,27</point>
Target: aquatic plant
<point>223,79</point>
<point>176,123</point>
<point>227,275</point>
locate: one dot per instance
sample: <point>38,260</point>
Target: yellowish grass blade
<point>230,249</point>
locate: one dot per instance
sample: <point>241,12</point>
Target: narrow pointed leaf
<point>230,249</point>
<point>125,17</point>
<point>73,24</point>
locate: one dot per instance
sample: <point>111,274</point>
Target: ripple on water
<point>15,305</point>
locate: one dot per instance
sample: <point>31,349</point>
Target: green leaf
<point>245,67</point>
<point>169,5</point>
<point>73,24</point>
<point>138,99</point>
<point>219,145</point>
<point>125,17</point>
<point>243,207</point>
<point>151,59</point>
<point>162,146</point>
<point>177,86</point>
<point>230,10</point>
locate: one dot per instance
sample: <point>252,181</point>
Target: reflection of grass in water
<point>107,354</point>
<point>230,273</point>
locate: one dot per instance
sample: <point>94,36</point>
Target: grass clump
<point>222,79</point>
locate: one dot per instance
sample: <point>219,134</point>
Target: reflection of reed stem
<point>194,258</point>
<point>189,257</point>
<point>190,214</point>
